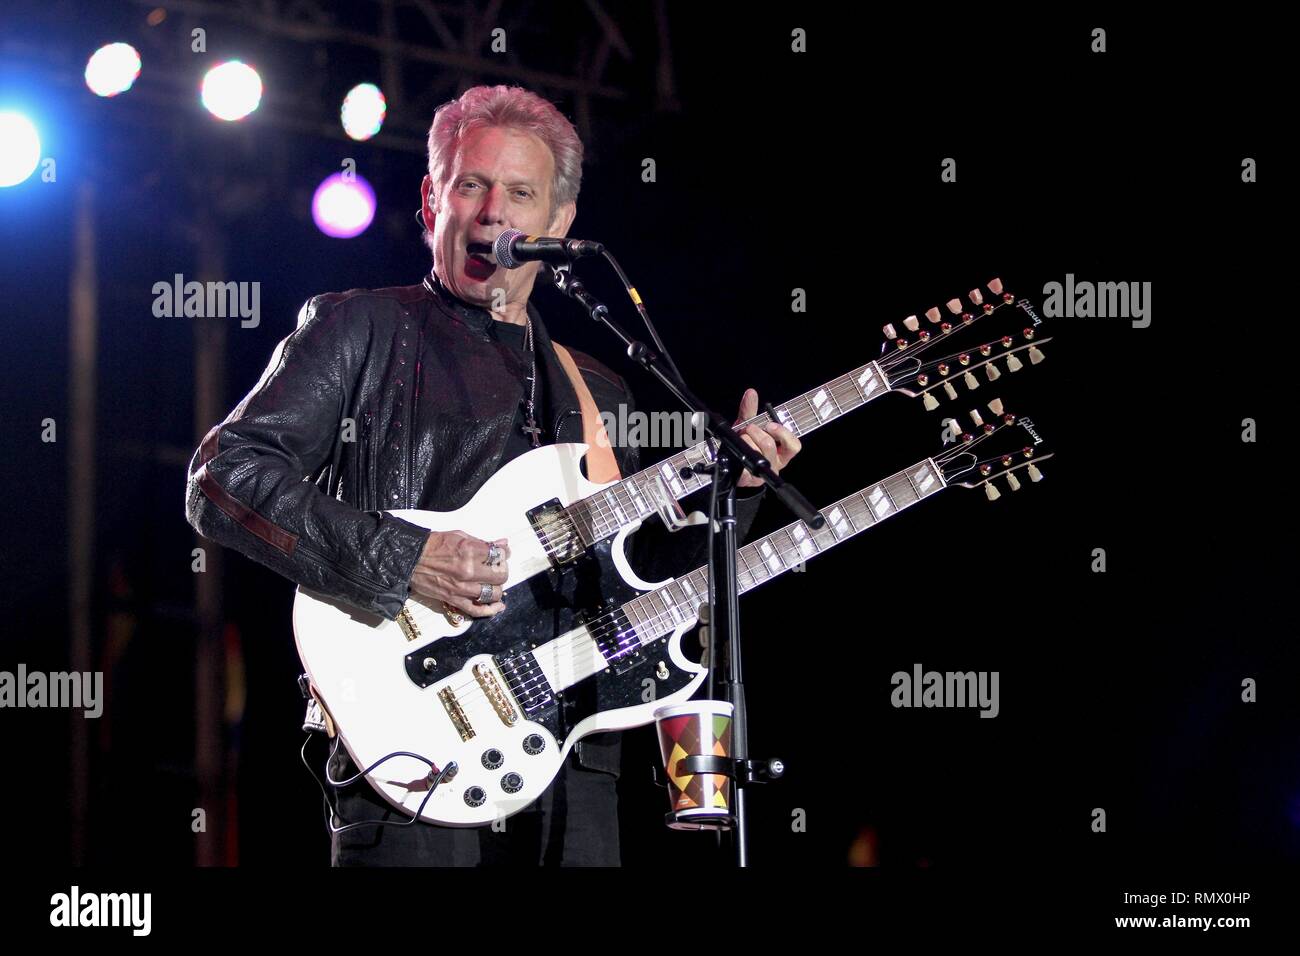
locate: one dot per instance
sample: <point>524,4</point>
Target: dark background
<point>775,171</point>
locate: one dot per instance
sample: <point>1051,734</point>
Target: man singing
<point>412,397</point>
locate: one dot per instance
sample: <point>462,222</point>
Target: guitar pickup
<point>494,693</point>
<point>557,532</point>
<point>456,713</point>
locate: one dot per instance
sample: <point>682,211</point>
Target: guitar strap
<point>601,464</point>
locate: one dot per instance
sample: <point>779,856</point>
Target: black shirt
<point>514,339</point>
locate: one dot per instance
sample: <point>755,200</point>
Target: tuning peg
<point>954,306</point>
<point>976,296</point>
<point>995,286</point>
<point>929,401</point>
<point>975,417</point>
<point>1013,481</point>
<point>1014,364</point>
<point>971,381</point>
<point>1034,473</point>
<point>932,314</point>
<point>890,331</point>
<point>1035,355</point>
<point>911,324</point>
<point>995,407</point>
<point>991,491</point>
<point>949,390</point>
<point>991,372</point>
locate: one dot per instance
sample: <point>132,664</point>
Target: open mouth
<point>479,262</point>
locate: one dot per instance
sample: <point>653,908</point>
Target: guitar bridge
<point>456,713</point>
<point>406,622</point>
<point>557,532</point>
<point>492,690</point>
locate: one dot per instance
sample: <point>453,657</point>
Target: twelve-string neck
<point>655,613</point>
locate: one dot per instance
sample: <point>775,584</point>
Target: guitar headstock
<point>929,358</point>
<point>997,444</point>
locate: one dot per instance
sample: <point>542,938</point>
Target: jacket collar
<point>558,397</point>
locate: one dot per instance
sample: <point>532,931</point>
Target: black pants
<point>574,823</point>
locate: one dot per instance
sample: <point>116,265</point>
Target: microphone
<point>513,249</point>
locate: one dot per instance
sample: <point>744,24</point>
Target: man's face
<point>499,179</point>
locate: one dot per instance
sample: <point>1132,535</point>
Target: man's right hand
<point>453,568</point>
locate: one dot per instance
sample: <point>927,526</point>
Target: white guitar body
<point>358,667</point>
<point>471,691</point>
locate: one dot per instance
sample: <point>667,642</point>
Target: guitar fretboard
<point>634,498</point>
<point>658,612</point>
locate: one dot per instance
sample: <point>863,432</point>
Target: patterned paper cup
<point>700,801</point>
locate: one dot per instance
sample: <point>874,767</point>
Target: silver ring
<point>494,555</point>
<point>484,594</point>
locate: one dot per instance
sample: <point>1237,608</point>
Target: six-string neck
<point>634,498</point>
<point>655,613</point>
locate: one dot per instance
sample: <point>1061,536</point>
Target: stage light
<point>232,90</point>
<point>112,69</point>
<point>20,148</point>
<point>363,112</point>
<point>343,208</point>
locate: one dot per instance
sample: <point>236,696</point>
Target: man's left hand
<point>773,441</point>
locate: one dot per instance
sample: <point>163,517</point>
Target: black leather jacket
<point>432,398</point>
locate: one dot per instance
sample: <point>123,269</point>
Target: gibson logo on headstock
<point>1029,310</point>
<point>1028,425</point>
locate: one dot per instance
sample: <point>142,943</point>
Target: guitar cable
<point>333,813</point>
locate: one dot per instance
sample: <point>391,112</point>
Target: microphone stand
<point>732,458</point>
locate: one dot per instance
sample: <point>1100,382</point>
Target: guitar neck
<point>658,612</point>
<point>634,498</point>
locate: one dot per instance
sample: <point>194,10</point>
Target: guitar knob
<point>475,796</point>
<point>512,782</point>
<point>534,744</point>
<point>493,758</point>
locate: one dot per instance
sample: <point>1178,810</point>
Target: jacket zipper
<point>355,490</point>
<point>368,464</point>
<point>410,431</point>
<point>558,420</point>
